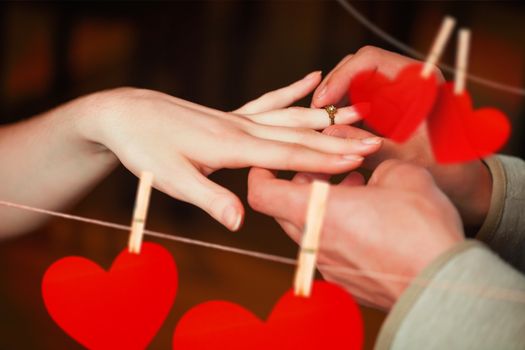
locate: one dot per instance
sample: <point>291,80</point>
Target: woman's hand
<point>468,185</point>
<point>182,142</point>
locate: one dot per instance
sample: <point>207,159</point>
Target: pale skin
<point>52,160</point>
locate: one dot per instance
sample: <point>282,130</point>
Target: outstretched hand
<point>182,142</point>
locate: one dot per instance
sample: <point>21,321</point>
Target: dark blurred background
<point>220,54</point>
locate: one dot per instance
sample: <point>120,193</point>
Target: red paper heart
<point>396,107</point>
<point>460,134</point>
<point>120,309</point>
<point>328,319</point>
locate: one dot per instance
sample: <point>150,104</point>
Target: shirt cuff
<point>497,200</point>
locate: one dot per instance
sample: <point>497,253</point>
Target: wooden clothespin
<point>307,259</point>
<point>460,77</point>
<point>439,44</point>
<point>140,212</point>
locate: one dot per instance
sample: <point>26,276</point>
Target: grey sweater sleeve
<point>467,299</point>
<point>504,228</point>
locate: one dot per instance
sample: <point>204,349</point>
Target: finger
<point>399,174</point>
<point>282,97</point>
<point>353,179</point>
<point>335,87</point>
<point>286,200</point>
<point>281,199</point>
<point>348,132</point>
<point>193,187</point>
<point>306,117</point>
<point>308,178</point>
<point>291,230</point>
<point>342,62</point>
<point>295,157</point>
<point>318,141</point>
<point>416,149</point>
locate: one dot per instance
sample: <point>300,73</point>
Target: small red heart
<point>460,134</point>
<point>396,107</point>
<point>119,309</point>
<point>328,319</point>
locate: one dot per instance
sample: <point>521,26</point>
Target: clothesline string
<point>421,56</point>
<point>121,227</point>
<point>468,289</point>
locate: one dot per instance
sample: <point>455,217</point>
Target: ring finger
<point>307,117</point>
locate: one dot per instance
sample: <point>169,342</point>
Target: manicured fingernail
<point>312,75</point>
<point>232,218</point>
<point>238,222</point>
<point>353,157</point>
<point>371,140</point>
<point>363,109</point>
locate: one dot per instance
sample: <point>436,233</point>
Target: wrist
<point>469,186</point>
<point>91,115</point>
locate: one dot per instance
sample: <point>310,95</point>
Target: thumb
<point>282,97</point>
<point>195,188</point>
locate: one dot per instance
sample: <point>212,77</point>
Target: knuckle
<point>294,110</point>
<point>241,124</point>
<point>367,50</point>
<point>291,156</point>
<point>265,97</point>
<point>305,135</point>
<point>347,57</point>
<point>389,164</point>
<point>417,175</point>
<point>405,169</point>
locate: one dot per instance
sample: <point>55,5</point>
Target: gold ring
<point>331,110</point>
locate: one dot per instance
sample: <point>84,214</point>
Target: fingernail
<point>238,222</point>
<point>312,75</point>
<point>363,109</point>
<point>353,157</point>
<point>301,179</point>
<point>232,218</point>
<point>322,92</point>
<point>371,140</point>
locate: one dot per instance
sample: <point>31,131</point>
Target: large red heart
<point>460,134</point>
<point>396,107</point>
<point>120,309</point>
<point>328,319</point>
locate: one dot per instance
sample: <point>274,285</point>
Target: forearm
<point>49,162</point>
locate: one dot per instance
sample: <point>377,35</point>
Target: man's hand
<point>396,224</point>
<point>468,185</point>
